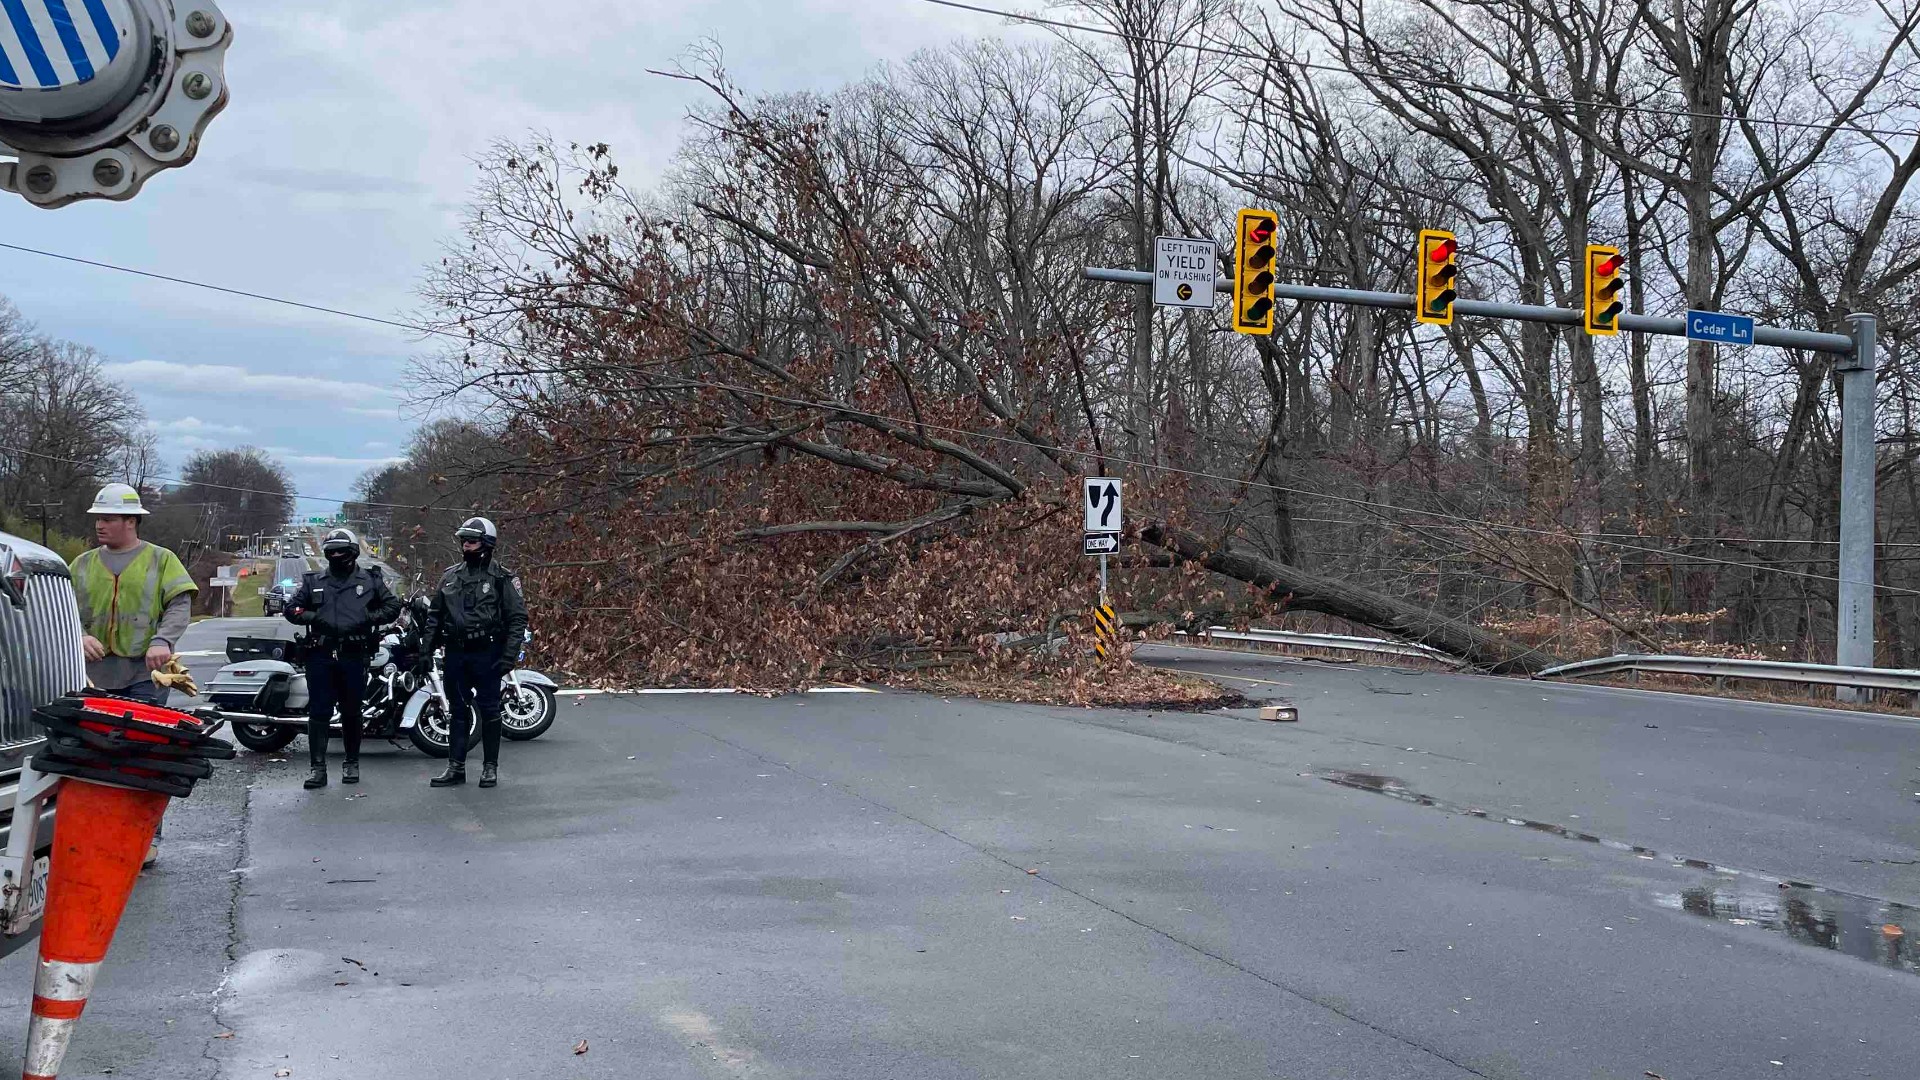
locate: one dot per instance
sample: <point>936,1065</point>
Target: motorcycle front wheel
<point>525,713</point>
<point>264,738</point>
<point>430,732</point>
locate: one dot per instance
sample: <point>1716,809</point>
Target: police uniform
<point>479,617</point>
<point>340,612</point>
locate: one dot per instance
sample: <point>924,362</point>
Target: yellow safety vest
<point>124,610</point>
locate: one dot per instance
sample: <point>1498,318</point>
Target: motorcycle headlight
<point>391,668</point>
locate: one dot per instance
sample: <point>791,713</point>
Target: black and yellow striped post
<point>1106,631</point>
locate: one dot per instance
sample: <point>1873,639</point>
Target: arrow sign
<point>1102,503</point>
<point>1100,544</point>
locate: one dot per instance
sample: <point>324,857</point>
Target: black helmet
<point>478,528</point>
<point>340,540</point>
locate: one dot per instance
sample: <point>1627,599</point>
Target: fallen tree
<point>1311,592</point>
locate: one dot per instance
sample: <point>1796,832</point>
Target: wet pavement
<point>890,885</point>
<point>1870,928</point>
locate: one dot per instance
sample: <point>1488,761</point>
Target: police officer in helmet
<point>340,607</point>
<point>480,619</point>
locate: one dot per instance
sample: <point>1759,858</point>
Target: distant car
<point>40,659</point>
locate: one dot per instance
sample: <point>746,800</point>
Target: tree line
<point>66,428</point>
<point>818,397</point>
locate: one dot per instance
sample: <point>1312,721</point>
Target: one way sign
<point>1102,503</point>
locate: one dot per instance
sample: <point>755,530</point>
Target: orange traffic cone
<point>100,835</point>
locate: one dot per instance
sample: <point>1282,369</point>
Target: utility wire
<point>847,410</point>
<point>230,292</point>
<point>242,490</point>
<point>1535,101</point>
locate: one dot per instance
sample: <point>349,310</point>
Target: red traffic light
<point>1607,265</point>
<point>1259,230</point>
<point>1442,251</point>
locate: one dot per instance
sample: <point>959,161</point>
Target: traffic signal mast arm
<point>1812,340</point>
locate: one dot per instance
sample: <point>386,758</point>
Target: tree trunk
<point>1311,592</point>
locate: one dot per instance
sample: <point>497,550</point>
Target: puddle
<point>1859,926</point>
<point>1865,927</point>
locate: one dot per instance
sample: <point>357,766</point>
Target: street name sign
<point>1183,272</point>
<point>1718,326</point>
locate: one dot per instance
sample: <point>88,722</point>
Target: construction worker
<point>480,619</point>
<point>136,599</point>
<point>340,606</point>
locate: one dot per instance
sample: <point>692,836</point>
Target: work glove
<point>175,677</point>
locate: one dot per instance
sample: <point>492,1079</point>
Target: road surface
<point>899,885</point>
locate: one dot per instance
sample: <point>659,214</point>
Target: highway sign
<point>1100,544</point>
<point>1718,326</point>
<point>1183,272</point>
<point>1102,503</point>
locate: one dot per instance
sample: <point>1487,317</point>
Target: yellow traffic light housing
<point>1435,277</point>
<point>1253,249</point>
<point>1604,285</point>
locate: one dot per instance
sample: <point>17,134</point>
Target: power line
<point>230,292</point>
<point>242,490</point>
<point>1535,101</point>
<point>847,410</point>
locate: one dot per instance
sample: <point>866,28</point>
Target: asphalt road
<point>896,885</point>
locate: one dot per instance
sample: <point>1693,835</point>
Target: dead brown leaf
<point>224,1035</point>
<point>580,1047</point>
<point>1891,930</point>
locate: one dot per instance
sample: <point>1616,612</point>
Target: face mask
<point>340,561</point>
<point>475,558</point>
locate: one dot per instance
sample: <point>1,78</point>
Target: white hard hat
<point>117,499</point>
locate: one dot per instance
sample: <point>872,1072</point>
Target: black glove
<point>503,668</point>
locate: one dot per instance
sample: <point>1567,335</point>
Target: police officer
<point>480,619</point>
<point>340,606</point>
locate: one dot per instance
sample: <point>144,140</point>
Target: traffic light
<point>1435,277</point>
<point>1604,284</point>
<point>1253,271</point>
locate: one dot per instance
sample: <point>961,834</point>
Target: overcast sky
<point>338,170</point>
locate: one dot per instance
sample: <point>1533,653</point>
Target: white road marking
<point>591,691</point>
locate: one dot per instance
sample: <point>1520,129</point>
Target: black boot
<point>456,774</point>
<point>317,779</point>
<point>350,771</point>
<point>489,774</point>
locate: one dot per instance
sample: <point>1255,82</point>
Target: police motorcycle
<point>262,692</point>
<point>527,705</point>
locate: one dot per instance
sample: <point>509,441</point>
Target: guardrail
<point>1379,646</point>
<point>1720,668</point>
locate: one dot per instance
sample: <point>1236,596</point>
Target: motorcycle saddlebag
<point>270,687</point>
<point>243,649</point>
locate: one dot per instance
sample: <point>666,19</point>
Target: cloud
<point>323,181</point>
<point>325,459</point>
<point>389,413</point>
<point>165,376</point>
<point>194,442</point>
<point>193,425</point>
